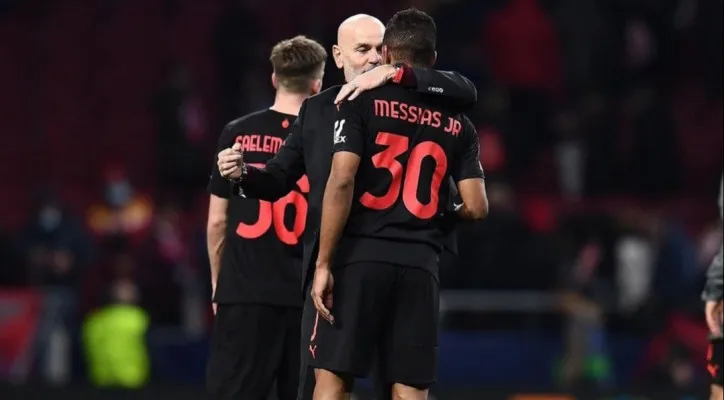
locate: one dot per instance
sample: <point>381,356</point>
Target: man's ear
<point>386,59</point>
<point>316,86</point>
<point>434,58</point>
<point>337,55</point>
<point>275,81</point>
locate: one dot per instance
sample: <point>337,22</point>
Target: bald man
<point>308,148</point>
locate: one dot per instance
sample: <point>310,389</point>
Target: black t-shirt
<point>410,145</point>
<point>261,262</point>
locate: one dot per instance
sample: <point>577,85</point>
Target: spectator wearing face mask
<point>124,214</point>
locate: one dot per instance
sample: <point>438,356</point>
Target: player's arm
<point>447,221</point>
<point>336,203</point>
<point>219,191</point>
<point>215,235</point>
<point>280,174</point>
<point>338,194</point>
<point>448,84</point>
<point>468,173</point>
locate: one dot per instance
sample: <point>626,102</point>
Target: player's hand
<point>367,81</point>
<point>322,292</point>
<point>229,162</point>
<point>714,316</point>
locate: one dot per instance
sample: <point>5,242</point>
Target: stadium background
<point>601,135</point>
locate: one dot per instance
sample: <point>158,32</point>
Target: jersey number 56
<point>273,214</point>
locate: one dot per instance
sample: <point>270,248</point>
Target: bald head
<point>356,25</point>
<point>359,41</point>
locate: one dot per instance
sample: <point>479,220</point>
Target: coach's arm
<point>449,84</point>
<point>280,174</point>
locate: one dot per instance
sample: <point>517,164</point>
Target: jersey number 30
<point>273,214</point>
<point>387,159</point>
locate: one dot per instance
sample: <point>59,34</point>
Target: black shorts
<point>380,310</point>
<point>714,361</point>
<point>306,372</point>
<point>382,388</point>
<point>253,345</point>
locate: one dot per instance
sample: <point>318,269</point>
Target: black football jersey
<point>261,262</point>
<point>409,147</point>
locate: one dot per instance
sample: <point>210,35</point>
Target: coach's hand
<point>714,317</point>
<point>367,81</point>
<point>322,292</point>
<point>230,161</point>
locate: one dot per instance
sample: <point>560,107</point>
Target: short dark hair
<point>297,61</point>
<point>411,37</point>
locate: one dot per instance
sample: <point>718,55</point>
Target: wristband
<point>244,172</point>
<point>236,183</point>
<point>399,73</point>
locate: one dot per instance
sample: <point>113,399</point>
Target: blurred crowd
<point>600,126</point>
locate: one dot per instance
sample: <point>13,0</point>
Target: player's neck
<point>394,61</point>
<point>288,103</point>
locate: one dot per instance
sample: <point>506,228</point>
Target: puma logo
<point>710,366</point>
<point>313,347</point>
<point>712,369</point>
